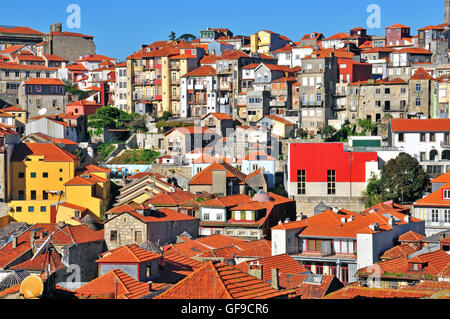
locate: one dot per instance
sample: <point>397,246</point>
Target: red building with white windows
<point>326,172</point>
<point>398,35</point>
<point>351,71</point>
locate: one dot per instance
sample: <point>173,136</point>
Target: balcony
<point>225,70</point>
<point>311,103</point>
<point>226,86</point>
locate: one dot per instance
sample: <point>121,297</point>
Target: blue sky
<point>120,27</point>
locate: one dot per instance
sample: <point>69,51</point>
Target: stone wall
<point>306,205</point>
<point>72,48</point>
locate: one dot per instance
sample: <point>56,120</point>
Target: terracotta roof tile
<point>221,281</point>
<point>113,285</point>
<point>127,254</point>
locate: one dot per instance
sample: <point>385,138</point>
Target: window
<point>387,91</point>
<point>219,216</point>
<point>113,235</point>
<point>432,137</point>
<point>138,237</point>
<point>44,195</point>
<point>422,137</point>
<point>434,215</point>
<point>301,182</point>
<point>21,195</point>
<point>43,209</point>
<point>31,209</point>
<point>18,209</point>
<point>401,137</point>
<point>45,175</point>
<point>33,195</point>
<point>206,216</point>
<point>33,175</point>
<point>447,216</point>
<point>418,101</point>
<point>331,182</point>
<point>21,175</point>
<point>418,87</point>
<point>446,193</point>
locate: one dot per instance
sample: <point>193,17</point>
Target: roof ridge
<point>120,280</point>
<point>221,280</point>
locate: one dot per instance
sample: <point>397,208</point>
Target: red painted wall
<point>317,158</point>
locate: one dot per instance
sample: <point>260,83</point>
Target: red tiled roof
<point>403,250</point>
<point>70,34</point>
<point>444,178</point>
<point>83,103</point>
<point>51,152</point>
<point>113,285</point>
<point>127,254</point>
<point>40,263</point>
<point>209,59</point>
<point>205,176</point>
<point>421,74</point>
<point>330,224</point>
<point>337,36</point>
<point>397,26</point>
<point>44,81</point>
<point>204,70</point>
<point>284,263</point>
<point>221,281</point>
<point>435,263</point>
<point>95,168</point>
<point>419,125</point>
<point>279,119</point>
<point>13,109</point>
<point>16,66</point>
<point>411,236</point>
<point>435,198</point>
<point>226,202</point>
<point>173,199</point>
<point>165,215</point>
<point>19,30</point>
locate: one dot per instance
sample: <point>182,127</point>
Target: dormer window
<point>446,194</point>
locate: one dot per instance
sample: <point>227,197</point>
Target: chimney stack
<point>14,242</point>
<point>255,270</point>
<point>275,279</point>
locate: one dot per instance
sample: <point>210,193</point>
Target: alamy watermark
<point>74,19</point>
<point>374,19</point>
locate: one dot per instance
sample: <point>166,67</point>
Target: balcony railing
<point>311,103</point>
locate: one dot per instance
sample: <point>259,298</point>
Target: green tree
<point>328,132</point>
<point>402,180</point>
<point>138,123</point>
<point>172,36</point>
<point>109,117</point>
<point>373,193</point>
<point>367,127</point>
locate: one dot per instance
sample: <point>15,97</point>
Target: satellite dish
<point>43,111</point>
<point>31,287</point>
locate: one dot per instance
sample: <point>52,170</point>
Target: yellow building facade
<point>44,176</point>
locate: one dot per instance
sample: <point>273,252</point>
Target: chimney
<point>343,220</point>
<point>32,237</point>
<point>14,242</point>
<point>275,279</point>
<point>150,283</point>
<point>407,219</point>
<point>391,221</point>
<point>255,270</point>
